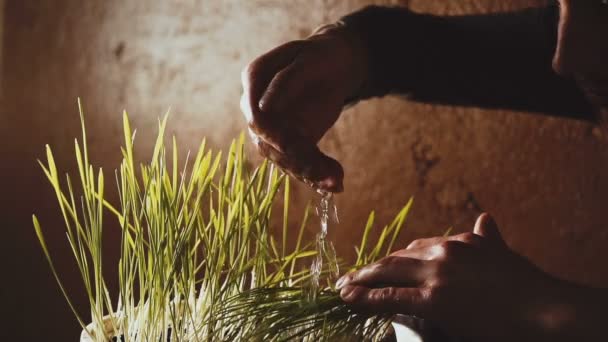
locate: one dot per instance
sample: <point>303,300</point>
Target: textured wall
<point>544,179</point>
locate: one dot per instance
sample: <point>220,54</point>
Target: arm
<point>293,94</point>
<point>492,61</point>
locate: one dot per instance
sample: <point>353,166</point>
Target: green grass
<point>198,260</point>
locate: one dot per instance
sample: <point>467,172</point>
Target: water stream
<point>326,253</point>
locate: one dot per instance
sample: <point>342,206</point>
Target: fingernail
<point>330,184</point>
<point>341,282</point>
<point>351,293</point>
<point>344,292</point>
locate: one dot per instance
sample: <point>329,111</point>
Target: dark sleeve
<point>493,61</point>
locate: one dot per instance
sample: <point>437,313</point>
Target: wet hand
<point>293,94</point>
<point>471,285</point>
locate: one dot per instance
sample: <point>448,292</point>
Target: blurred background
<point>544,179</point>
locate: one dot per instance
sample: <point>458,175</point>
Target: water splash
<point>326,253</point>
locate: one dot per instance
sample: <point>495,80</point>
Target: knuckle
<point>415,244</point>
<point>251,71</point>
<point>444,249</point>
<point>448,249</point>
<point>469,238</point>
<point>387,294</point>
<point>388,261</point>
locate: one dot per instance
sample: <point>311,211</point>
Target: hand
<point>293,94</point>
<point>470,285</point>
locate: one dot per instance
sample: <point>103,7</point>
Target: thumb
<point>486,227</point>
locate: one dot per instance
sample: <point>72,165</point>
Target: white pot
<point>403,331</point>
<point>401,324</point>
<point>86,337</point>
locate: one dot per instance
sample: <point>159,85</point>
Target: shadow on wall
<point>147,55</point>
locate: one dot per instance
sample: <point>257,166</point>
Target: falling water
<point>326,252</point>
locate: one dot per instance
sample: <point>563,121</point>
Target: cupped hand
<point>293,94</point>
<point>471,285</point>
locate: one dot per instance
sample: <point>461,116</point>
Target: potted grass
<point>198,260</point>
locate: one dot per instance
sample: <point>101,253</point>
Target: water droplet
<point>326,253</point>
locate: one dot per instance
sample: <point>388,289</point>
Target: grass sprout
<point>198,258</point>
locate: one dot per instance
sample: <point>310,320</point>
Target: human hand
<point>294,93</point>
<point>470,285</point>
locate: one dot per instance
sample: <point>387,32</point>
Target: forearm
<point>573,313</point>
<point>580,315</point>
<point>494,61</point>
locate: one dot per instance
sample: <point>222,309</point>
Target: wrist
<point>355,55</point>
<point>569,311</point>
<point>391,38</point>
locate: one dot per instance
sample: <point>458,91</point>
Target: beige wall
<point>544,179</point>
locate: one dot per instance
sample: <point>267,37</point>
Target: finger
<point>422,243</point>
<point>307,163</point>
<point>414,253</point>
<point>389,271</point>
<point>326,173</point>
<point>468,238</point>
<point>259,73</point>
<point>402,300</point>
<point>425,253</point>
<point>486,227</point>
<point>286,88</point>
